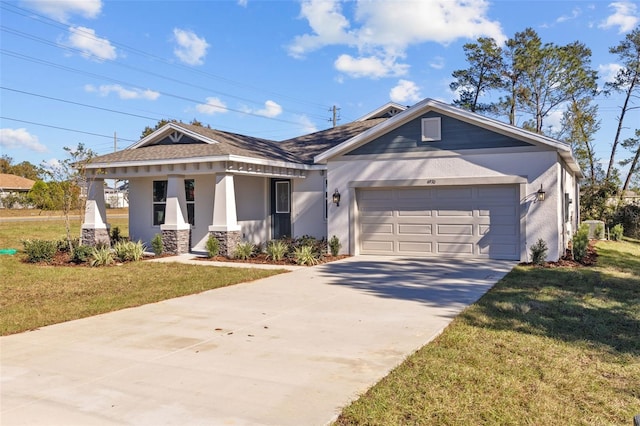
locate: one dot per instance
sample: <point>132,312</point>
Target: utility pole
<point>335,118</point>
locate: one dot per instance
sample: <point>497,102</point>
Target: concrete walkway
<point>292,349</point>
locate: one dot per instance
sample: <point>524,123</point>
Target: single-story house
<point>425,180</point>
<point>11,185</point>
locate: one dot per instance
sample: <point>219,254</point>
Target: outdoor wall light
<point>336,198</point>
<point>540,194</point>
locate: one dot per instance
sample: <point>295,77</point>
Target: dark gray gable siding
<point>456,135</point>
<point>183,140</point>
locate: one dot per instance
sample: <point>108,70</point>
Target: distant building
<point>12,185</point>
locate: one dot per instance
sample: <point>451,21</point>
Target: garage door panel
<point>449,193</point>
<point>403,212</point>
<point>472,221</point>
<point>450,229</point>
<point>415,247</point>
<point>378,228</point>
<point>415,229</point>
<point>455,248</point>
<point>454,213</point>
<point>378,247</point>
<point>498,230</point>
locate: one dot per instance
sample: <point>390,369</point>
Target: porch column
<point>95,229</point>
<point>225,226</point>
<point>176,231</point>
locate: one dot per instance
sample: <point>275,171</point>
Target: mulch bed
<point>262,259</point>
<point>567,260</point>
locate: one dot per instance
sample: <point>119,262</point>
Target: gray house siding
<point>455,135</point>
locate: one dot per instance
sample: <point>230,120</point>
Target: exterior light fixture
<point>336,198</point>
<point>540,194</point>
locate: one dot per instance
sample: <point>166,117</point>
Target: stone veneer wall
<point>176,241</point>
<point>94,236</point>
<point>228,240</point>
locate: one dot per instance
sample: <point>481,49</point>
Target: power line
<point>79,104</point>
<point>63,128</point>
<point>41,18</point>
<point>103,77</point>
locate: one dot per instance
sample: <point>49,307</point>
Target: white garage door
<point>470,221</point>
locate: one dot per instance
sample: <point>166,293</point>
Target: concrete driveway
<point>287,350</point>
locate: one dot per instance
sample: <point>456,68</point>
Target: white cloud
<point>85,40</point>
<point>608,72</point>
<point>213,106</point>
<point>405,92</point>
<point>437,63</point>
<point>271,109</point>
<point>243,3</point>
<point>575,13</point>
<point>191,49</point>
<point>123,93</point>
<point>306,124</point>
<point>63,9</point>
<point>328,24</point>
<point>385,29</point>
<point>20,138</point>
<point>372,66</point>
<point>625,16</point>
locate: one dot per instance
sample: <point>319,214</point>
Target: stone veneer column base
<point>176,241</point>
<point>94,236</point>
<point>228,240</point>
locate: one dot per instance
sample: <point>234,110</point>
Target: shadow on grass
<point>579,306</point>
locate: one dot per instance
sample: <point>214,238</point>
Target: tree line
<point>527,80</point>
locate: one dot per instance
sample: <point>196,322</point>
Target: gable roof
<point>476,119</point>
<point>10,182</point>
<point>215,144</point>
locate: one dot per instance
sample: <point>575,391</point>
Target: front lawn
<point>33,296</point>
<point>546,346</point>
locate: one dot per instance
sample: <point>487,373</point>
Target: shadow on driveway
<point>435,282</point>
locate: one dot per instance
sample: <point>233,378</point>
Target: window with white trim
<point>431,130</point>
<point>159,201</point>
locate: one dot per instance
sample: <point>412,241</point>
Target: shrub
<point>156,244</point>
<point>319,246</point>
<point>277,249</point>
<point>101,256</point>
<point>64,247</point>
<point>212,246</point>
<point>40,250</point>
<point>244,250</point>
<point>128,251</point>
<point>598,233</point>
<point>334,245</point>
<point>81,254</point>
<point>539,252</point>
<point>617,232</point>
<point>116,236</point>
<point>581,243</point>
<point>306,255</point>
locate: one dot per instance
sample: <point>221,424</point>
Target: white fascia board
<point>166,129</point>
<point>380,109</point>
<point>219,158</point>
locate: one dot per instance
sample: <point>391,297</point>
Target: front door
<point>280,208</point>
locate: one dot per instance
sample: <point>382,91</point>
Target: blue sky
<point>76,71</point>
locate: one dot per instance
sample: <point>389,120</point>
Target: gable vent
<point>431,129</point>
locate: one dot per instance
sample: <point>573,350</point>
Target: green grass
<point>544,347</point>
<point>33,296</point>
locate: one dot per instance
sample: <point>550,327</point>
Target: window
<point>431,129</point>
<point>159,201</point>
<point>282,197</point>
<point>190,194</point>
